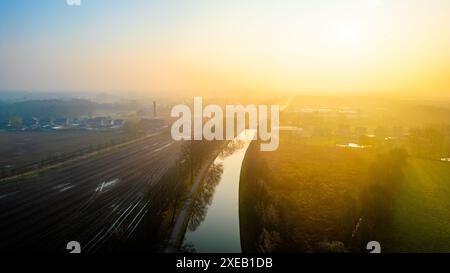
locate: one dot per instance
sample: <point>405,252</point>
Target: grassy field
<point>421,221</point>
<point>302,198</point>
<point>309,196</point>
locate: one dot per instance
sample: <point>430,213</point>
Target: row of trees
<point>61,108</point>
<point>430,142</point>
<point>170,193</point>
<point>47,108</point>
<point>260,215</point>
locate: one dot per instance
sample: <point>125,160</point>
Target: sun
<point>348,35</point>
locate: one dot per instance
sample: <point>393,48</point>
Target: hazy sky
<point>198,47</point>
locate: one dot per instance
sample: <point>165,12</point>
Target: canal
<point>214,222</point>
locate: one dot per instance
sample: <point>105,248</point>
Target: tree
<point>268,241</point>
<point>192,154</point>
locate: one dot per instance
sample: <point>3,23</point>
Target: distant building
<point>47,121</point>
<point>99,122</point>
<point>30,124</point>
<point>118,123</point>
<point>75,123</point>
<point>61,121</point>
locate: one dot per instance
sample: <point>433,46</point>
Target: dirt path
<point>177,234</point>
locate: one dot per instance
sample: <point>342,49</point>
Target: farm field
<point>421,221</point>
<point>308,198</point>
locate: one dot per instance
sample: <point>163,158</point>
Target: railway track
<point>89,201</point>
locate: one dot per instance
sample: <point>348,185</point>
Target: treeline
<point>168,194</point>
<point>47,109</point>
<point>432,141</point>
<point>261,220</point>
<point>59,108</point>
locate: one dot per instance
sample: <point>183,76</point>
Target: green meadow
<point>316,197</point>
<point>421,217</point>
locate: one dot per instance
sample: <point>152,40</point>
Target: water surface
<point>214,224</point>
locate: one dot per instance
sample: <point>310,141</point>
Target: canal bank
<point>209,221</point>
<point>182,219</point>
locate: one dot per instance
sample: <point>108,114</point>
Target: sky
<point>198,47</point>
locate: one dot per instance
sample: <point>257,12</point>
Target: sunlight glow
<point>396,47</point>
<point>348,35</point>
